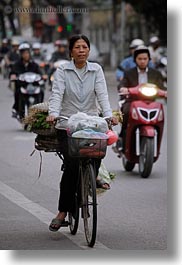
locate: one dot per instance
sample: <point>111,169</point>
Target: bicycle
<point>85,198</point>
<point>86,151</point>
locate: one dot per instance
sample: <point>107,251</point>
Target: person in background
<point>4,49</point>
<point>25,64</point>
<point>37,55</point>
<point>39,58</point>
<point>140,74</point>
<point>61,52</point>
<point>155,50</point>
<point>13,55</point>
<point>77,87</point>
<point>128,62</point>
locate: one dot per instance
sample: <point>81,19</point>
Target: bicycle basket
<point>49,132</point>
<point>87,148</point>
<point>48,144</point>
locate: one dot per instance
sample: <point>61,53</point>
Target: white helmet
<point>135,43</point>
<point>154,39</point>
<point>24,46</point>
<point>15,42</point>
<point>5,41</point>
<point>36,45</point>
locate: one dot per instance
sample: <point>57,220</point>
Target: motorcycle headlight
<point>148,90</point>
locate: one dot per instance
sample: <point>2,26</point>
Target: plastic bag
<point>112,137</point>
<point>81,121</point>
<point>90,134</point>
<point>104,174</point>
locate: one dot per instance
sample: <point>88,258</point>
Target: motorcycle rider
<point>4,49</point>
<point>60,54</point>
<point>128,62</point>
<point>155,50</point>
<point>13,55</point>
<point>37,56</point>
<point>25,64</point>
<point>140,74</point>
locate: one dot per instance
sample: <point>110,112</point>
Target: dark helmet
<point>139,50</point>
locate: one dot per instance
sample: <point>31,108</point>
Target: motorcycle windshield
<point>30,77</point>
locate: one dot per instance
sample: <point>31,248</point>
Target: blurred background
<point>110,25</point>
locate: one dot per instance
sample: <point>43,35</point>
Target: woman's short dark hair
<point>74,38</point>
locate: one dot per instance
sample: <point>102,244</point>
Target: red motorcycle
<point>144,129</point>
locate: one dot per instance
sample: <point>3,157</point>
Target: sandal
<point>56,224</point>
<point>102,184</point>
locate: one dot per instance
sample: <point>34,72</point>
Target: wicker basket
<point>87,148</point>
<point>49,132</point>
<point>48,144</point>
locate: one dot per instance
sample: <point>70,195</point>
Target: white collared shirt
<point>72,93</point>
<point>142,76</point>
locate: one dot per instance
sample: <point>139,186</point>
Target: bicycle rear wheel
<point>89,204</point>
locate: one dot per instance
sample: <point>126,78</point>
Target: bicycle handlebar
<point>107,119</point>
<point>61,118</point>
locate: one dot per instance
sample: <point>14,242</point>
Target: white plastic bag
<point>81,121</point>
<point>104,174</point>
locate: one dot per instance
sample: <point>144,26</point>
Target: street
<point>132,215</point>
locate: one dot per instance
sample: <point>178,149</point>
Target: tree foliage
<point>155,13</point>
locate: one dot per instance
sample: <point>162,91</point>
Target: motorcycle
<point>144,129</point>
<point>30,92</point>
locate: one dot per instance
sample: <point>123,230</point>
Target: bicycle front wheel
<point>89,204</point>
<point>74,217</point>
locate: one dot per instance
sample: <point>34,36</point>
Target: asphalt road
<point>131,216</point>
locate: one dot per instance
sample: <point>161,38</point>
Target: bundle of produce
<point>36,120</point>
<point>118,115</point>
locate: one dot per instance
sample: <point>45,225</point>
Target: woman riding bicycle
<point>77,87</point>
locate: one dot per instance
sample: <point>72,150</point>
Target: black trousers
<point>70,176</point>
<point>16,98</point>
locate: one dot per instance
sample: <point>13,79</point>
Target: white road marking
<point>44,215</point>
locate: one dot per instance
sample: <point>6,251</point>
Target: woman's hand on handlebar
<point>51,119</point>
<point>112,121</point>
<point>123,91</point>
